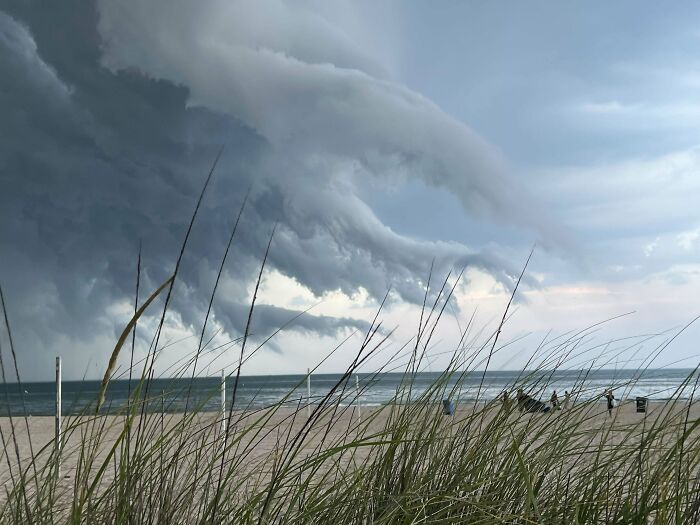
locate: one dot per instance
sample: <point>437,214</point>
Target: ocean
<point>171,395</point>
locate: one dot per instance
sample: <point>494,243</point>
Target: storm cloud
<point>114,112</point>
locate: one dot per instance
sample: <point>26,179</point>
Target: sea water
<point>173,395</point>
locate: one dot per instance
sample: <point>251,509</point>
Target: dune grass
<point>402,463</point>
<point>405,462</point>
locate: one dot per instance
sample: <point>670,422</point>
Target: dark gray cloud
<point>269,318</point>
<point>113,114</point>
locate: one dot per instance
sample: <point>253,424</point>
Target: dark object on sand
<point>530,404</point>
<point>610,397</point>
<point>448,407</point>
<point>641,404</point>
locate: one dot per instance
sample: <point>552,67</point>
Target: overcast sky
<point>378,136</point>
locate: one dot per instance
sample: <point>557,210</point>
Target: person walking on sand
<point>611,401</point>
<point>567,400</point>
<point>554,400</point>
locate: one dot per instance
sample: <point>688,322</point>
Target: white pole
<point>57,444</point>
<point>223,403</point>
<point>308,392</point>
<point>357,401</point>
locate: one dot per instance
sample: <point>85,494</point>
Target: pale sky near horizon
<point>378,136</point>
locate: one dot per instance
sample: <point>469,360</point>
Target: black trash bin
<point>641,404</point>
<point>448,407</point>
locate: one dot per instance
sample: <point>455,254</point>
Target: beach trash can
<point>448,407</point>
<point>641,404</point>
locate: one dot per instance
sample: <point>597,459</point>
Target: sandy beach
<point>273,428</point>
<point>179,462</point>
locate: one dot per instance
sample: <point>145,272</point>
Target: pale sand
<point>280,426</point>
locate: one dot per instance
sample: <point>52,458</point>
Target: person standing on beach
<point>554,400</point>
<point>611,401</point>
<point>506,400</point>
<point>567,400</point>
<point>521,399</point>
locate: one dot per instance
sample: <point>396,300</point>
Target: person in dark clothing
<point>611,401</point>
<point>554,400</point>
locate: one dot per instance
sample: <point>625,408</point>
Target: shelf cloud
<point>113,121</point>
